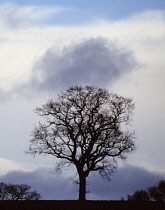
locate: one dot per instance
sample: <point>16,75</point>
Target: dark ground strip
<point>78,205</point>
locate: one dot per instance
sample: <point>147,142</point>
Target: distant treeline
<point>153,193</point>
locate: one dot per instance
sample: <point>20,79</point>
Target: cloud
<point>50,185</point>
<point>9,165</point>
<point>57,186</point>
<point>125,181</point>
<point>22,47</point>
<point>15,16</point>
<point>93,61</point>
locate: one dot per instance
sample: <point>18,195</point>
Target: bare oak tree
<point>85,127</point>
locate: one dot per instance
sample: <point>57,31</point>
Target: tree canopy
<point>17,192</point>
<point>86,127</point>
<point>153,193</point>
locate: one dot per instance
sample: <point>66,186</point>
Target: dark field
<point>77,205</point>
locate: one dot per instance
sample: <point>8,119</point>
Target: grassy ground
<point>77,205</point>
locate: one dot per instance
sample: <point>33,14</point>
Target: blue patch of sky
<point>81,11</point>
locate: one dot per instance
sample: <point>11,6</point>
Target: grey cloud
<point>125,181</point>
<point>95,61</point>
<point>55,186</point>
<point>50,185</point>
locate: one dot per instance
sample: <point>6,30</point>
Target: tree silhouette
<point>157,192</point>
<point>17,192</point>
<point>139,195</point>
<point>85,127</point>
<point>153,193</point>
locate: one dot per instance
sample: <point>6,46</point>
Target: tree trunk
<point>82,187</point>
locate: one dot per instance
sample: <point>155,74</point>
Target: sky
<point>48,46</point>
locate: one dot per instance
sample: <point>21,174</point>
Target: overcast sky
<point>47,47</point>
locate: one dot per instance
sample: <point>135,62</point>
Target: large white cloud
<point>22,47</point>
